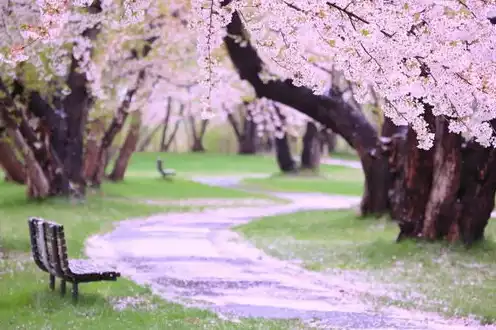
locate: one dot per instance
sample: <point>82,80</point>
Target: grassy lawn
<point>27,303</point>
<point>435,277</point>
<point>144,163</point>
<point>334,180</point>
<point>177,188</point>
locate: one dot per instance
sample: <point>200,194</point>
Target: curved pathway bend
<point>195,259</point>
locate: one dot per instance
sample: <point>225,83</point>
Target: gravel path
<point>194,259</point>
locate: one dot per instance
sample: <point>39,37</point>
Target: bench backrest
<point>49,246</point>
<point>39,246</point>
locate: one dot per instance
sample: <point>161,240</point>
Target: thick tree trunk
<point>443,193</point>
<point>475,198</point>
<point>127,149</point>
<point>312,148</point>
<point>413,190</point>
<point>445,182</point>
<point>76,107</point>
<point>12,165</point>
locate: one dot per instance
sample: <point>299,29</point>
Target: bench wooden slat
<point>35,244</point>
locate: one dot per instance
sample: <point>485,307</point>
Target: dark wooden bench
<point>166,173</point>
<point>49,251</point>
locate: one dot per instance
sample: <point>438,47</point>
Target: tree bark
<point>12,165</point>
<point>167,144</point>
<point>283,152</point>
<point>415,184</point>
<point>330,140</point>
<point>198,136</point>
<point>475,197</point>
<point>37,182</point>
<point>445,181</point>
<point>312,148</point>
<point>166,124</point>
<point>127,149</point>
<point>245,130</point>
<point>148,139</point>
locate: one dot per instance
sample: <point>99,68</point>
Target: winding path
<point>194,259</point>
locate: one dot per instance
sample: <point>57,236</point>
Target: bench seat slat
<point>87,267</point>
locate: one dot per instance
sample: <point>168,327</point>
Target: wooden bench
<point>166,173</point>
<point>49,251</point>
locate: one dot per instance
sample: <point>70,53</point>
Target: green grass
<point>144,163</point>
<point>177,188</point>
<point>334,180</point>
<point>202,163</point>
<point>345,155</point>
<point>27,303</point>
<point>435,277</point>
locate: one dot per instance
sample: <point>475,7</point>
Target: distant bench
<point>50,254</point>
<point>166,173</point>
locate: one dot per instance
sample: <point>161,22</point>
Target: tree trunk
<point>445,181</point>
<point>76,106</point>
<point>90,157</point>
<point>198,136</point>
<point>475,198</point>
<point>310,156</point>
<point>245,130</point>
<point>249,141</point>
<point>283,155</point>
<point>413,189</point>
<point>330,140</point>
<point>12,165</point>
<point>148,139</point>
<point>127,149</point>
<point>166,125</point>
<point>37,182</point>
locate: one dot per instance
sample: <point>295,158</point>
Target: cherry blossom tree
<point>408,52</point>
<point>429,64</point>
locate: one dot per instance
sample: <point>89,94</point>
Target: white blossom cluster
<point>411,52</point>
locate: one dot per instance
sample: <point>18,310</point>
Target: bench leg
<point>52,282</point>
<point>75,291</point>
<point>62,287</point>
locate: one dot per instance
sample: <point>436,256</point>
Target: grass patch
<point>202,163</point>
<point>144,163</point>
<point>177,188</point>
<point>335,180</point>
<point>27,303</point>
<point>435,277</point>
